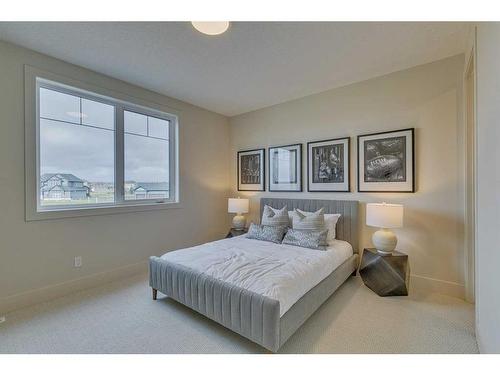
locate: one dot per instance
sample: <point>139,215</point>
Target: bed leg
<point>155,293</point>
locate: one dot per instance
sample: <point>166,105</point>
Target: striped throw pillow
<point>330,223</point>
<point>312,221</point>
<point>274,217</point>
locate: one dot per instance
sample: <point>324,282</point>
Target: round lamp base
<point>239,222</point>
<point>384,241</point>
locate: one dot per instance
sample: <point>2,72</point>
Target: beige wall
<point>427,97</point>
<point>40,254</point>
<point>37,257</point>
<point>488,188</point>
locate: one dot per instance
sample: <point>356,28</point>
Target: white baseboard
<point>47,293</point>
<point>479,342</point>
<point>32,297</point>
<point>428,284</point>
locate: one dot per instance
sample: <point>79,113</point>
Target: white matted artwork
<point>328,165</point>
<point>285,168</point>
<point>386,162</point>
<point>251,170</point>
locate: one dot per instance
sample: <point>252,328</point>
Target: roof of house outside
<point>152,186</point>
<point>65,176</point>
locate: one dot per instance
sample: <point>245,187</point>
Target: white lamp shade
<point>383,215</point>
<point>237,205</point>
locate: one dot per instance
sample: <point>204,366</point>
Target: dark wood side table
<point>234,232</point>
<point>386,275</point>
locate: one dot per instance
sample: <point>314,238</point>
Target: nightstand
<point>234,233</point>
<point>386,275</point>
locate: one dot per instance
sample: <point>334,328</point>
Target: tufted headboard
<point>347,226</point>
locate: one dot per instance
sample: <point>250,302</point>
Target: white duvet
<point>281,272</point>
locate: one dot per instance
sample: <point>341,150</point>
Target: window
<point>94,151</point>
<point>77,150</point>
<point>146,157</point>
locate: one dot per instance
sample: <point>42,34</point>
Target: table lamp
<point>384,216</point>
<point>238,206</point>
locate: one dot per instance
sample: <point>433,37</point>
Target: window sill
<point>69,212</point>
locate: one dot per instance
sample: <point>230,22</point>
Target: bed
<point>251,287</point>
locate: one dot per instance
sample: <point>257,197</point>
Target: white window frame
<point>34,80</point>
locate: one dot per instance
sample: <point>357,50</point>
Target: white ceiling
<point>252,65</point>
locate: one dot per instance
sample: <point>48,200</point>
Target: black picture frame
<point>347,166</point>
<point>411,174</point>
<point>298,168</point>
<point>262,153</point>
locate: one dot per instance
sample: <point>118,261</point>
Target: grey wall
<point>427,97</point>
<point>488,188</point>
<point>40,254</point>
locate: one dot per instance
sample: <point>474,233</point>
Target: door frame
<point>470,172</point>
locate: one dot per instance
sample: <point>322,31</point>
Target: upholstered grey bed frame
<point>249,314</point>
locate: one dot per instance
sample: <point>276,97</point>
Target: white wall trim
<point>470,218</point>
<point>428,284</point>
<point>54,291</point>
<point>478,340</point>
<point>17,301</point>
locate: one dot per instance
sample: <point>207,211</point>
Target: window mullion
<point>119,155</point>
<point>172,162</point>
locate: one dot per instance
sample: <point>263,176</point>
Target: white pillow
<point>330,223</point>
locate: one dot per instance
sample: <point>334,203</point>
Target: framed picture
<point>328,165</point>
<point>251,170</point>
<point>285,168</point>
<point>386,162</point>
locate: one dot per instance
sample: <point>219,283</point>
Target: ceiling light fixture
<point>211,27</point>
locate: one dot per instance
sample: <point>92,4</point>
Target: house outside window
<point>62,186</point>
<point>150,190</point>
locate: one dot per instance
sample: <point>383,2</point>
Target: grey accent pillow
<point>266,233</point>
<point>312,221</point>
<point>311,239</point>
<point>274,217</point>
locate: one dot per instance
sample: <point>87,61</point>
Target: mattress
<point>280,272</point>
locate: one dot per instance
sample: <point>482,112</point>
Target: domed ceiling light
<point>211,27</point>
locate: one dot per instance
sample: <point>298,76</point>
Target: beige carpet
<point>122,318</point>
